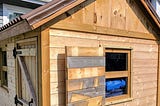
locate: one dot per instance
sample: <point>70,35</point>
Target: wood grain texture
<point>107,14</point>
<point>71,41</point>
<point>103,30</point>
<point>27,78</point>
<point>83,51</point>
<point>144,67</point>
<point>45,67</point>
<point>78,73</point>
<point>84,83</point>
<point>85,61</point>
<point>114,24</point>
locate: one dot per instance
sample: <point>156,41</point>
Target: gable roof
<point>44,14</point>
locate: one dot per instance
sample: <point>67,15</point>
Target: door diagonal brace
<point>24,71</point>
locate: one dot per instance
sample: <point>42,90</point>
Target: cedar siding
<point>143,71</point>
<point>84,29</point>
<point>108,24</point>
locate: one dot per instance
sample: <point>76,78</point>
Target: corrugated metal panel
<point>40,13</point>
<point>16,20</point>
<point>46,10</point>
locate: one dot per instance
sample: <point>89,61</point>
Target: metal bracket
<point>15,52</point>
<point>31,102</point>
<point>16,101</point>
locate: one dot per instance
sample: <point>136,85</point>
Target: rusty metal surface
<point>40,13</point>
<point>46,10</point>
<point>16,20</point>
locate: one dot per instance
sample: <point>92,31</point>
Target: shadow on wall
<point>142,15</point>
<point>61,80</point>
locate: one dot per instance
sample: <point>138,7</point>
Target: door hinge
<point>31,102</point>
<point>16,101</point>
<point>15,52</point>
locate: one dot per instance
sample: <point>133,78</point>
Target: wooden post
<point>158,77</point>
<point>45,67</point>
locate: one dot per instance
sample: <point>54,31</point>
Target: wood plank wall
<point>144,64</point>
<point>85,82</point>
<point>114,14</point>
<point>7,96</point>
<point>45,67</point>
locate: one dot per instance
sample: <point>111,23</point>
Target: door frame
<point>18,72</point>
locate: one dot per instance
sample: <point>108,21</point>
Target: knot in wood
<point>115,12</point>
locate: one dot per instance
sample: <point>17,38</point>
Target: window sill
<point>118,101</point>
<point>5,88</point>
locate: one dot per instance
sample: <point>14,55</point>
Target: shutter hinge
<point>16,101</point>
<point>15,52</point>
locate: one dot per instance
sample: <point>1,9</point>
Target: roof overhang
<point>148,6</point>
<point>37,17</point>
<point>49,11</point>
<point>46,13</point>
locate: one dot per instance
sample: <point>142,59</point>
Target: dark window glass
<point>4,58</point>
<point>116,61</point>
<point>115,87</point>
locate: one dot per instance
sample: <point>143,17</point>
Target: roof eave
<point>16,29</point>
<point>36,18</point>
<point>43,14</point>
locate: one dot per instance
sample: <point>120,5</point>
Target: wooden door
<point>27,79</point>
<point>85,76</point>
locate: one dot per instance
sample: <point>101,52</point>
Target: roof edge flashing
<point>46,12</point>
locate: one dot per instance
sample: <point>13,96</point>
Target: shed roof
<point>47,12</point>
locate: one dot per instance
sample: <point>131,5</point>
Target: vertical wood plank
<point>158,77</point>
<point>45,63</point>
<point>103,12</point>
<point>25,72</point>
<point>80,79</point>
<point>88,13</point>
<point>118,14</point>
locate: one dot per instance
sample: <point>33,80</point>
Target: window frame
<point>120,74</point>
<point>3,68</point>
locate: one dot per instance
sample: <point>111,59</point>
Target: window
<point>117,75</point>
<point>3,72</point>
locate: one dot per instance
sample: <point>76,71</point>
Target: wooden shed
<point>82,53</point>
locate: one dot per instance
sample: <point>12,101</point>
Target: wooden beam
<point>158,77</point>
<point>103,30</point>
<point>27,78</point>
<point>45,66</point>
